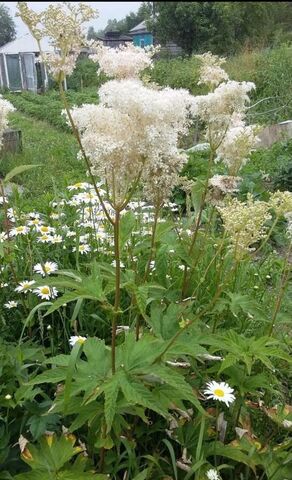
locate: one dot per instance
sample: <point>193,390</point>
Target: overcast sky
<point>107,10</point>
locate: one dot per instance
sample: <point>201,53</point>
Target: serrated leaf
<point>54,375</point>
<point>127,225</point>
<point>111,390</point>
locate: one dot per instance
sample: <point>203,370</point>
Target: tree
<point>222,27</point>
<point>7,25</point>
<point>125,24</point>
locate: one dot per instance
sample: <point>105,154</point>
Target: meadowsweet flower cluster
<point>133,133</point>
<point>221,185</point>
<point>237,145</point>
<point>210,71</point>
<point>63,24</point>
<point>5,109</point>
<point>223,111</point>
<point>125,61</point>
<point>281,202</point>
<point>222,107</point>
<point>244,223</point>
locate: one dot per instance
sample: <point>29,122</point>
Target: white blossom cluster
<point>221,108</point>
<point>62,23</point>
<point>225,183</point>
<point>210,70</point>
<point>133,133</point>
<point>5,109</point>
<point>125,61</point>
<point>244,223</point>
<point>281,202</point>
<point>236,146</point>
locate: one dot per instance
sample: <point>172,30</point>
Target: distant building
<point>141,36</point>
<point>20,68</point>
<point>115,39</point>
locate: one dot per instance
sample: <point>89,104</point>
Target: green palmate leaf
<point>67,298</point>
<point>127,225</point>
<point>59,360</point>
<point>50,453</point>
<point>54,375</point>
<point>75,355</point>
<point>177,381</point>
<point>141,294</point>
<point>135,356</point>
<point>161,263</point>
<point>234,453</point>
<point>111,390</point>
<point>136,393</point>
<point>162,229</point>
<point>17,170</point>
<point>229,360</point>
<point>39,424</point>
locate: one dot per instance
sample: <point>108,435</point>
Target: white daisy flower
<point>44,238</point>
<point>25,286</point>
<point>220,391</point>
<point>46,293</point>
<point>46,269</point>
<point>10,304</point>
<point>83,238</point>
<point>76,339</point>
<point>70,233</point>
<point>3,284</point>
<point>45,229</point>
<point>55,216</point>
<point>56,239</point>
<point>11,214</point>
<point>21,230</point>
<point>34,215</point>
<point>83,248</point>
<point>212,474</point>
<point>78,186</point>
<point>35,222</point>
<point>3,200</point>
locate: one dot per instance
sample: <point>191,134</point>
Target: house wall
<point>146,37</point>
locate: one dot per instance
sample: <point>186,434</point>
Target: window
<point>142,43</point>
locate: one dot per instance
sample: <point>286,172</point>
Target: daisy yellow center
<point>47,268</point>
<point>44,229</point>
<point>80,340</point>
<point>44,237</point>
<point>78,185</point>
<point>45,290</point>
<point>20,229</point>
<point>219,392</point>
<point>35,221</point>
<point>26,286</point>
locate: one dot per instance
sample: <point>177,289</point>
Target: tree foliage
<point>125,24</point>
<point>223,27</point>
<point>7,25</point>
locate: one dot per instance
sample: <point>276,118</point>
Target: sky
<point>107,10</point>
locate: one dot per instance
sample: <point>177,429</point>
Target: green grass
<point>48,107</point>
<point>45,145</point>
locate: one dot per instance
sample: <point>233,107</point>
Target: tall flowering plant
<point>167,280</point>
